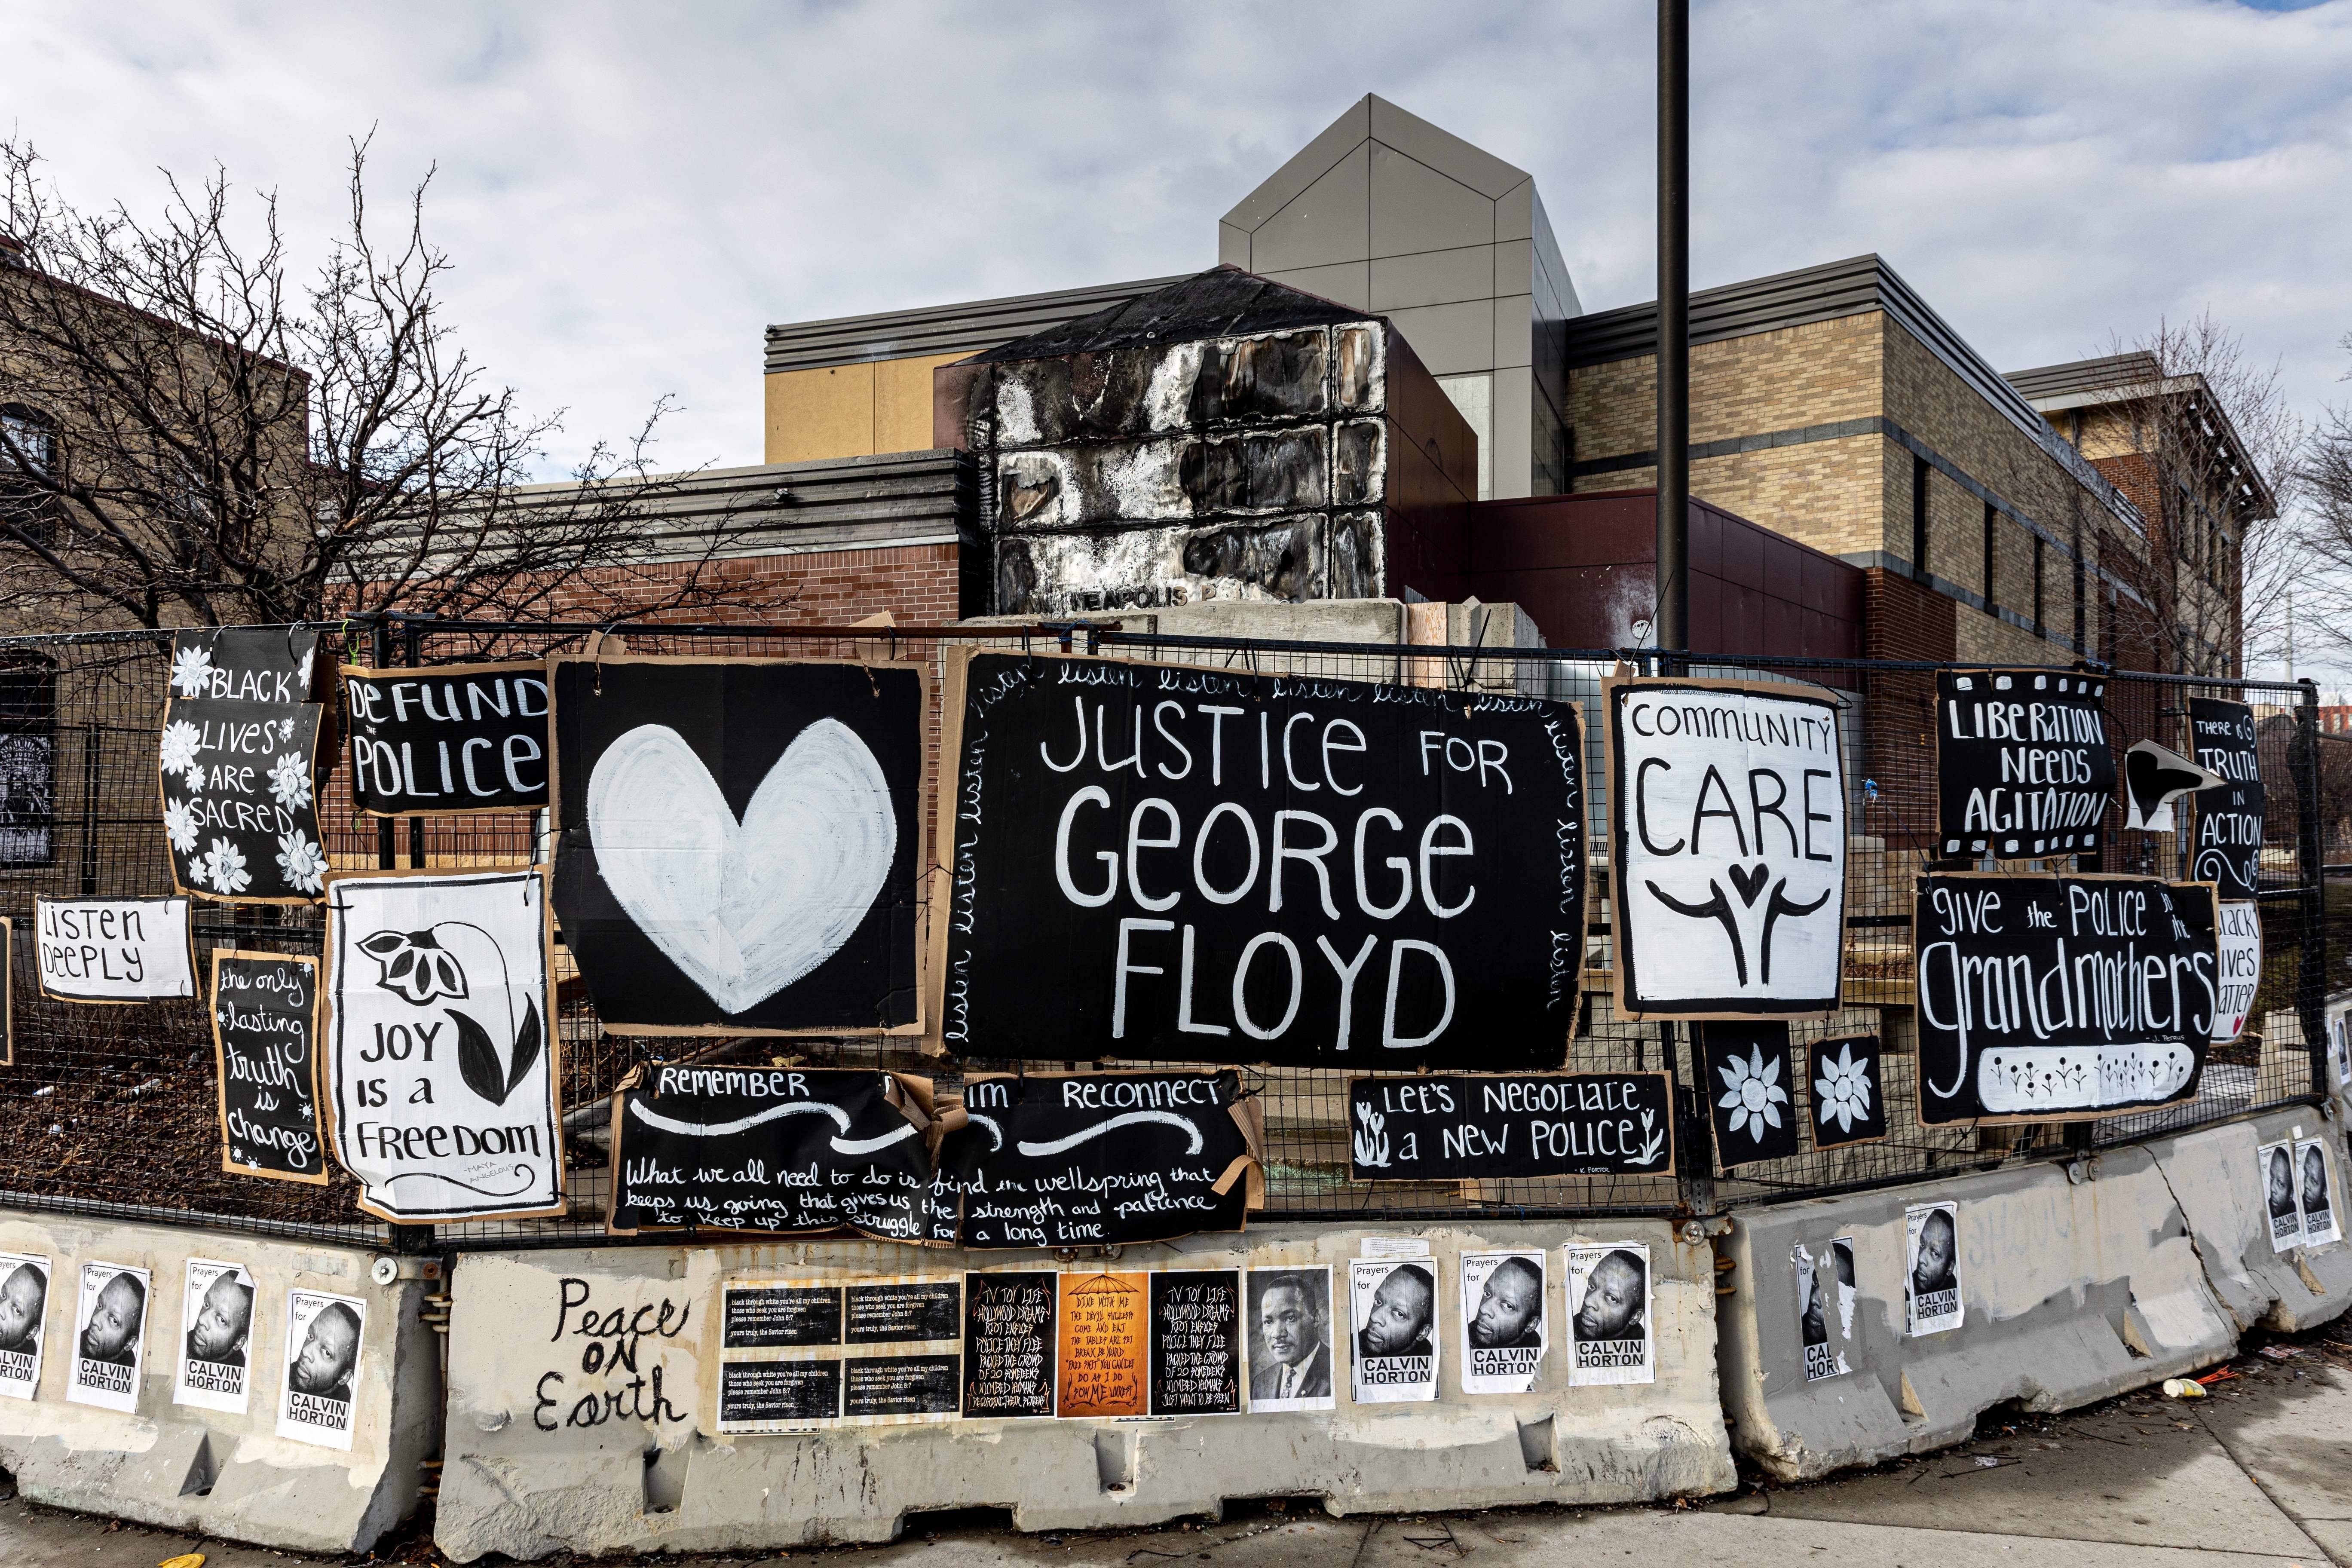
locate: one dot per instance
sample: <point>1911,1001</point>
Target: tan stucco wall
<point>851,410</point>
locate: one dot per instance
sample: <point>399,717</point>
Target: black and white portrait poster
<point>441,1068</point>
<point>265,1010</point>
<point>324,1334</point>
<point>1173,863</point>
<point>1728,833</point>
<point>217,1301</point>
<point>240,757</point>
<point>740,849</point>
<point>2316,1193</point>
<point>1849,1081</point>
<point>110,1347</point>
<point>2023,766</point>
<point>1751,1079</point>
<point>2229,823</point>
<point>1102,1159</point>
<point>2047,996</point>
<point>1503,1312</point>
<point>1931,1272</point>
<point>1392,1316</point>
<point>1290,1338</point>
<point>2282,1205</point>
<point>1611,1336</point>
<point>2239,968</point>
<point>24,1321</point>
<point>1824,1308</point>
<point>113,950</point>
<point>453,739</point>
<point>2338,1022</point>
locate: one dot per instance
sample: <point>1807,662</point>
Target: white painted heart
<point>743,908</point>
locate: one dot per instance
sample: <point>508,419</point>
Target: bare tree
<point>189,435</point>
<point>2326,532</point>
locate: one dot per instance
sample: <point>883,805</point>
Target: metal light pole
<point>1673,627</point>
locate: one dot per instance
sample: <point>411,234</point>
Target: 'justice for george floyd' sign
<point>2042,996</point>
<point>1171,863</point>
<point>2023,767</point>
<point>462,738</point>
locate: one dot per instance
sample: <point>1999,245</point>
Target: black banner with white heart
<point>2228,851</point>
<point>1503,1126</point>
<point>740,849</point>
<point>2023,766</point>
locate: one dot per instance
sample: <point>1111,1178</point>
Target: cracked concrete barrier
<point>606,1442</point>
<point>2078,1282</point>
<point>221,1472</point>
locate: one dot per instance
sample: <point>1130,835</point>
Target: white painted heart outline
<point>743,908</point>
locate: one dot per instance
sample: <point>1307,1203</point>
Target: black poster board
<point>1849,1085</point>
<point>265,1008</point>
<point>773,1317</point>
<point>2229,821</point>
<point>788,1150</point>
<point>1468,1127</point>
<point>1169,863</point>
<point>1009,1343</point>
<point>240,761</point>
<point>882,1386</point>
<point>1751,1090</point>
<point>2024,770</point>
<point>777,1392</point>
<point>1101,1158</point>
<point>2057,998</point>
<point>740,849</point>
<point>451,739</point>
<point>903,1311</point>
<point>1196,1342</point>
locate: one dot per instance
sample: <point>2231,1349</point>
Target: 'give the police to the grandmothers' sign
<point>1728,847</point>
<point>2043,996</point>
<point>1169,863</point>
<point>2023,766</point>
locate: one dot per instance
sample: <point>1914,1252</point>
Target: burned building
<point>1222,436</point>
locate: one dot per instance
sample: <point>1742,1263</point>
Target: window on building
<point>28,447</point>
<point>28,762</point>
<point>2038,542</point>
<point>1474,395</point>
<point>1991,518</point>
<point>2082,605</point>
<point>1919,519</point>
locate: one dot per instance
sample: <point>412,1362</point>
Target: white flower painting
<point>192,671</point>
<point>224,868</point>
<point>1842,1091</point>
<point>290,780</point>
<point>180,825</point>
<point>302,863</point>
<point>179,746</point>
<point>1753,1093</point>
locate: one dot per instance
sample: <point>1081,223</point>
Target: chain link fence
<point>113,1110</point>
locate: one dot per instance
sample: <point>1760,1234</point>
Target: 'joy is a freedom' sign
<point>2023,766</point>
<point>1162,862</point>
<point>1727,832</point>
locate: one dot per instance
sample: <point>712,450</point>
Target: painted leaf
<point>526,1045</point>
<point>477,1060</point>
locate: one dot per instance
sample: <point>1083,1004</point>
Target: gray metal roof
<point>934,330</point>
<point>2136,369</point>
<point>1853,287</point>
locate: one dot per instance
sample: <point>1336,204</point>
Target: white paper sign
<point>1611,1336</point>
<point>24,1318</point>
<point>323,1335</point>
<point>110,1349</point>
<point>1393,1319</point>
<point>216,1303</point>
<point>2282,1207</point>
<point>439,1057</point>
<point>1931,1268</point>
<point>2239,973</point>
<point>1503,1312</point>
<point>2316,1193</point>
<point>1825,1307</point>
<point>1727,824</point>
<point>114,949</point>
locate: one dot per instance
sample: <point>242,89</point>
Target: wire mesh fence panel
<point>116,1107</point>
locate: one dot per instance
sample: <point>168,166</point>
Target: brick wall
<point>918,584</point>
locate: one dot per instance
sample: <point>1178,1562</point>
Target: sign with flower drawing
<point>441,1065</point>
<point>239,757</point>
<point>1750,1081</point>
<point>1849,1092</point>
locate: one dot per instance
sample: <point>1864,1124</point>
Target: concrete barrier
<point>549,1450</point>
<point>211,1472</point>
<point>2080,1281</point>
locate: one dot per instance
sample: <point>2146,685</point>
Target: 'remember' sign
<point>2023,766</point>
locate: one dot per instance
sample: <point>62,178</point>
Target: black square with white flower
<point>1848,1084</point>
<point>1750,1090</point>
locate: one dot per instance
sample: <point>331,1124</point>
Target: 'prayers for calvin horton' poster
<point>1931,1278</point>
<point>1609,1314</point>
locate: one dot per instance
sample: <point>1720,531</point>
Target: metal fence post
<point>2311,877</point>
<point>387,851</point>
<point>1693,1133</point>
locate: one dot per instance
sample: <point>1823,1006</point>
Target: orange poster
<point>1106,1355</point>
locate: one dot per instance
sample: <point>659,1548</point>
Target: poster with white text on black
<point>1169,863</point>
<point>1196,1342</point>
<point>2051,997</point>
<point>1392,1313</point>
<point>1504,1305</point>
<point>2228,849</point>
<point>1488,1127</point>
<point>113,950</point>
<point>1729,830</point>
<point>240,761</point>
<point>811,1352</point>
<point>2281,1202</point>
<point>452,739</point>
<point>110,1347</point>
<point>216,1311</point>
<point>1010,1338</point>
<point>24,1323</point>
<point>318,1397</point>
<point>1611,1336</point>
<point>1932,1303</point>
<point>739,842</point>
<point>441,1069</point>
<point>2316,1193</point>
<point>265,1009</point>
<point>2023,766</point>
<point>1101,1158</point>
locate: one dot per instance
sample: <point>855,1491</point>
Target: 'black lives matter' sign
<point>458,738</point>
<point>2023,766</point>
<point>2229,824</point>
<point>265,1035</point>
<point>1179,864</point>
<point>1478,1127</point>
<point>2047,996</point>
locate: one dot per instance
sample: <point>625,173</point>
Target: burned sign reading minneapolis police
<point>2229,845</point>
<point>2052,997</point>
<point>1175,863</point>
<point>1728,843</point>
<point>2023,767</point>
<point>1496,1127</point>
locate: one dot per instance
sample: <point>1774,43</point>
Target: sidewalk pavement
<point>2260,1473</point>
